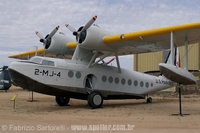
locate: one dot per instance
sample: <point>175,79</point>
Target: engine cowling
<point>92,39</point>
<point>58,44</point>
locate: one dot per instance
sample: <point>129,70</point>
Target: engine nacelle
<point>58,44</point>
<point>92,39</point>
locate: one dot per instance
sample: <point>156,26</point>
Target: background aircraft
<point>5,82</point>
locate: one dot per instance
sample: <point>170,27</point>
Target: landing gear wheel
<point>95,99</point>
<point>149,100</point>
<point>62,101</point>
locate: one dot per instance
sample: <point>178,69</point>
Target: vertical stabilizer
<point>176,60</point>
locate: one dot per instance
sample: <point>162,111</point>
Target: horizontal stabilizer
<point>177,74</point>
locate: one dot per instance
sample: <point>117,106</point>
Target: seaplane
<point>85,77</point>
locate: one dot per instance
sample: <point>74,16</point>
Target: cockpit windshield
<point>36,60</point>
<point>47,62</point>
<point>42,61</point>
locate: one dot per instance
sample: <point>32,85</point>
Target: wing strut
<point>118,65</point>
<point>36,49</point>
<point>93,58</point>
<point>100,59</point>
<point>172,47</point>
<point>186,54</point>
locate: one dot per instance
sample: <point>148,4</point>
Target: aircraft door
<point>91,83</point>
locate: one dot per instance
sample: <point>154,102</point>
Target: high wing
<point>39,52</point>
<point>153,40</point>
<point>96,39</point>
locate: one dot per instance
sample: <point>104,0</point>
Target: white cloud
<point>20,19</point>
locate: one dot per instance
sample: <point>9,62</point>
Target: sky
<point>19,19</point>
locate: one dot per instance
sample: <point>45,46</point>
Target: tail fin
<point>176,58</point>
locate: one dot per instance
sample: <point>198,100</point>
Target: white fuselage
<point>71,76</point>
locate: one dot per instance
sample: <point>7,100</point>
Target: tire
<point>62,101</point>
<point>149,100</point>
<point>95,99</point>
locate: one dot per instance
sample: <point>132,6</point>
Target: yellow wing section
<point>40,52</point>
<point>153,40</point>
<point>28,54</point>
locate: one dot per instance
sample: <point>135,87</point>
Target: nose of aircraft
<point>14,66</point>
<point>15,71</point>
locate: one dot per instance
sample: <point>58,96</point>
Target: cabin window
<point>123,81</point>
<point>104,78</point>
<point>78,75</point>
<point>116,80</point>
<point>135,82</point>
<point>141,84</point>
<point>151,84</point>
<point>110,79</point>
<point>129,82</point>
<point>147,85</point>
<point>70,74</point>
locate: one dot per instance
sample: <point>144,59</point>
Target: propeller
<point>47,40</point>
<point>81,32</point>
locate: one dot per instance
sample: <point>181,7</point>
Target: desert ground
<point>43,115</point>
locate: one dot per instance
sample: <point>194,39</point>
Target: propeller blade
<point>72,29</point>
<point>39,35</point>
<point>89,24</point>
<point>53,32</point>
